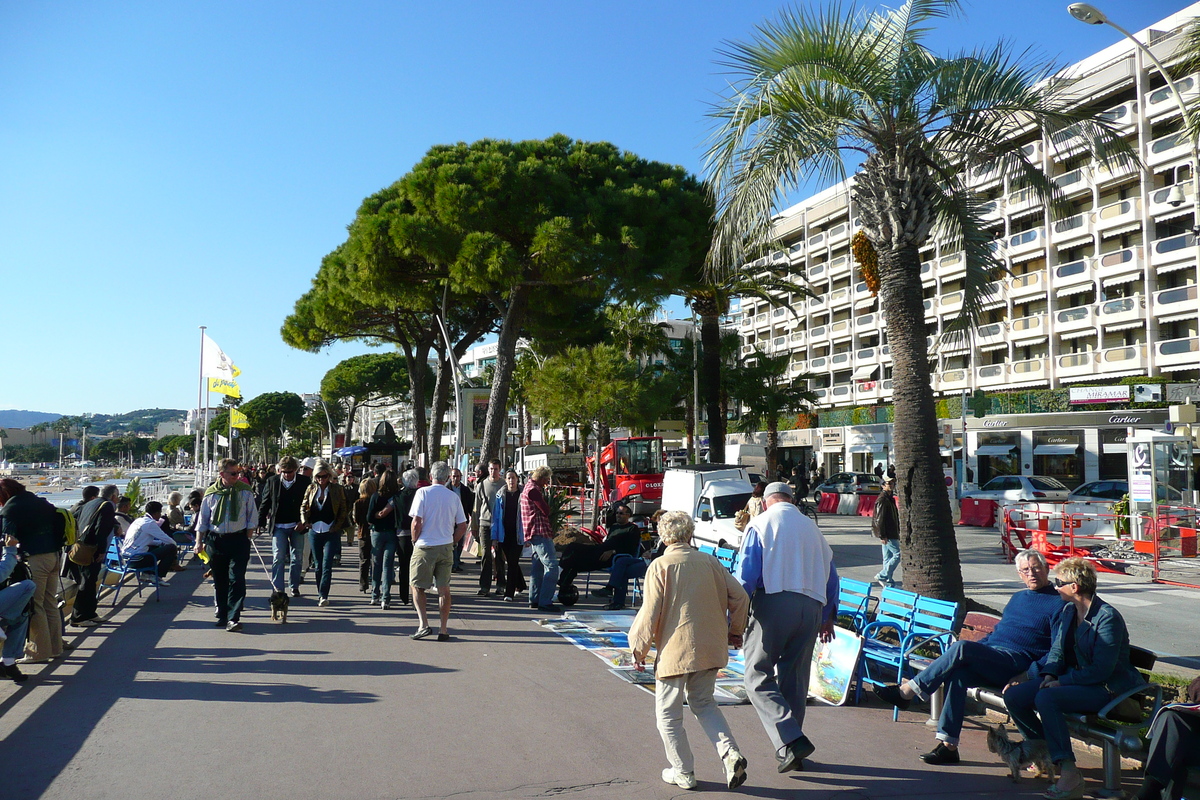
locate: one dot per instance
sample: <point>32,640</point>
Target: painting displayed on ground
<point>833,667</point>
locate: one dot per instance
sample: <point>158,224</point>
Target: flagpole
<point>199,402</point>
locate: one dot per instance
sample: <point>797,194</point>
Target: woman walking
<point>381,511</point>
<point>324,511</point>
<point>404,546</point>
<point>507,533</point>
<point>362,525</point>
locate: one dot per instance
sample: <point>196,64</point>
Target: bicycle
<point>808,508</point>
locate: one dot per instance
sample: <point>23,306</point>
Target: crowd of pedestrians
<point>1059,648</point>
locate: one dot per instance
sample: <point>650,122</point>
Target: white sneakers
<point>684,780</point>
<point>324,601</point>
<point>735,769</point>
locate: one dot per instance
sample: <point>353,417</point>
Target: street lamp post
<point>1085,12</point>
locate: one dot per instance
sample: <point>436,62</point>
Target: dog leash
<point>266,571</point>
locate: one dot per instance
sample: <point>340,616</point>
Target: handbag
<point>741,519</point>
<point>82,554</point>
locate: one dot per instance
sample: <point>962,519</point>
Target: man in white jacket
<point>146,543</point>
<point>786,567</point>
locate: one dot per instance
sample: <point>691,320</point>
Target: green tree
<point>363,382</point>
<point>271,415</point>
<point>545,230</point>
<point>817,83</point>
<point>762,386</point>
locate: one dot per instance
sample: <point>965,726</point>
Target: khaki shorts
<point>430,566</point>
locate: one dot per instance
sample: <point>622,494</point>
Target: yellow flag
<point>221,386</point>
<point>237,419</point>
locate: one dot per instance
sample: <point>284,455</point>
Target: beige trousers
<point>669,695</point>
<point>45,626</point>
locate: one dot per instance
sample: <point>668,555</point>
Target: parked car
<point>1111,491</point>
<point>849,483</point>
<point>1021,489</point>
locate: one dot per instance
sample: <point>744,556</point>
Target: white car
<point>1021,489</point>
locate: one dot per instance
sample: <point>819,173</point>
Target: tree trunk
<point>441,402</point>
<point>689,424</point>
<point>415,358</point>
<point>772,447</point>
<point>349,432</point>
<point>710,380</point>
<point>506,353</point>
<point>927,539</point>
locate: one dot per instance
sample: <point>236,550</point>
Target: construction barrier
<point>828,504</point>
<point>979,513</point>
<point>866,504</point>
<point>847,505</point>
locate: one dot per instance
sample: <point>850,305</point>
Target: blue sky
<point>168,165</point>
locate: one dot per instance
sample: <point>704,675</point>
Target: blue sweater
<point>1027,626</point>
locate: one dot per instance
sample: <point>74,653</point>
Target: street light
<point>1085,12</point>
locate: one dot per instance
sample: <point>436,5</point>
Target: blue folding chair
<point>893,615</point>
<point>854,601</point>
<point>116,563</point>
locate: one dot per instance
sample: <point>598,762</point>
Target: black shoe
<point>483,593</point>
<point>614,606</point>
<point>533,606</point>
<point>794,753</point>
<point>549,608</point>
<point>14,674</point>
<point>603,591</point>
<point>890,694</point>
<point>221,623</point>
<point>443,637</point>
<point>940,755</point>
<point>458,568</point>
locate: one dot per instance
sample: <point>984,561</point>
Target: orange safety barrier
<point>828,504</point>
<point>980,513</point>
<point>866,504</point>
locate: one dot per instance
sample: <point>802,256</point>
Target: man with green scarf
<point>227,520</point>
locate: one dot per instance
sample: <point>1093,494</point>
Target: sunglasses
<point>1059,583</point>
<point>324,477</point>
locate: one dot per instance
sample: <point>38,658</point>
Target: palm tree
<point>762,387</point>
<point>710,298</point>
<point>634,329</point>
<point>817,84</point>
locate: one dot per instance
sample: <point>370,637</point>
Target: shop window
<point>1059,455</point>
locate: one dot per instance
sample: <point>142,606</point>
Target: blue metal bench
<point>854,601</point>
<point>893,613</point>
<point>116,563</point>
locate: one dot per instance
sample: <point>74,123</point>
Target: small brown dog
<point>279,606</point>
<point>1018,755</point>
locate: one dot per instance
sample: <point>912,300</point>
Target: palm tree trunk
<point>710,380</point>
<point>772,446</point>
<point>927,539</point>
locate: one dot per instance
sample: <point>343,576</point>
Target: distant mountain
<point>12,418</point>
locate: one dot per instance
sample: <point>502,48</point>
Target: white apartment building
<point>1104,292</point>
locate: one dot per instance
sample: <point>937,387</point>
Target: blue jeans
<point>13,600</point>
<point>324,548</point>
<point>624,569</point>
<point>1022,700</point>
<point>383,564</point>
<point>963,665</point>
<point>891,560</point>
<point>543,571</point>
<point>286,546</point>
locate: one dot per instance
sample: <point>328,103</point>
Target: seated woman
<point>624,538</point>
<point>1087,666</point>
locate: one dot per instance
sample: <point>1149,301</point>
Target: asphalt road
<point>340,703</point>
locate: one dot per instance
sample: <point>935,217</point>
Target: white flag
<point>222,441</point>
<point>216,364</point>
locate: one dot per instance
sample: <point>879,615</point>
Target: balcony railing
<point>1029,283</point>
<point>1027,327</point>
<point>1123,309</point>
<point>1123,212</point>
<point>1168,148</point>
<point>1173,249</point>
<point>1159,198</point>
<point>1173,301</point>
<point>1077,180</point>
<point>1116,359</point>
<point>1072,319</point>
<point>1031,369</point>
<point>1161,102</point>
<point>1178,351</point>
<point>1026,241</point>
<point>990,334</point>
<point>992,374</point>
<point>1075,364</point>
<point>1074,272</point>
<point>1120,262</point>
<point>950,303</point>
<point>1071,228</point>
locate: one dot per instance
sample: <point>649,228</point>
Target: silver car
<point>1021,489</point>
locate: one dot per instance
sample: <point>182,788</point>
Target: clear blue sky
<point>168,165</point>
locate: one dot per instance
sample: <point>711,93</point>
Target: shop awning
<point>946,451</point>
<point>1113,447</point>
<point>1055,449</point>
<point>1124,326</point>
<point>1117,280</point>
<point>864,373</point>
<point>1032,342</point>
<point>987,348</point>
<point>1079,334</point>
<point>1120,229</point>
<point>1176,214</point>
<point>1176,266</point>
<point>1078,288</point>
<point>1030,256</point>
<point>868,448</point>
<point>995,450</point>
<point>1165,318</point>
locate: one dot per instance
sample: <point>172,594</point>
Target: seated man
<point>1020,641</point>
<point>624,538</point>
<point>1174,746</point>
<point>145,539</point>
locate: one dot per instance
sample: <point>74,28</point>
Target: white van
<point>751,456</point>
<point>712,494</point>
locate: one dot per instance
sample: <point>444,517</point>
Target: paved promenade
<point>340,703</point>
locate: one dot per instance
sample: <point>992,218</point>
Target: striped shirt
<point>535,514</point>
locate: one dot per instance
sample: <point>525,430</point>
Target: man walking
<point>438,522</point>
<point>786,567</point>
<point>227,519</point>
<point>885,524</point>
<point>485,499</point>
<point>467,498</point>
<point>97,521</point>
<point>688,594</point>
<point>280,514</point>
<point>535,522</point>
<point>1013,651</point>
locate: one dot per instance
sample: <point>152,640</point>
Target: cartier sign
<point>1117,419</point>
<point>995,423</point>
<point>1145,418</point>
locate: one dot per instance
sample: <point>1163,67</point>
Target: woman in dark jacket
<point>506,532</point>
<point>885,524</point>
<point>1087,666</point>
<point>381,513</point>
<point>31,521</point>
<point>362,527</point>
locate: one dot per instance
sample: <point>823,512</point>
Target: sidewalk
<point>340,703</point>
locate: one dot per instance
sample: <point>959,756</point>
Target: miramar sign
<point>1082,395</point>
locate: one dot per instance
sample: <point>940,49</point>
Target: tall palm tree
<point>818,84</point>
<point>634,328</point>
<point>710,298</point>
<point>765,392</point>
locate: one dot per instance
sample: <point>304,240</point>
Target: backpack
<point>65,526</point>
